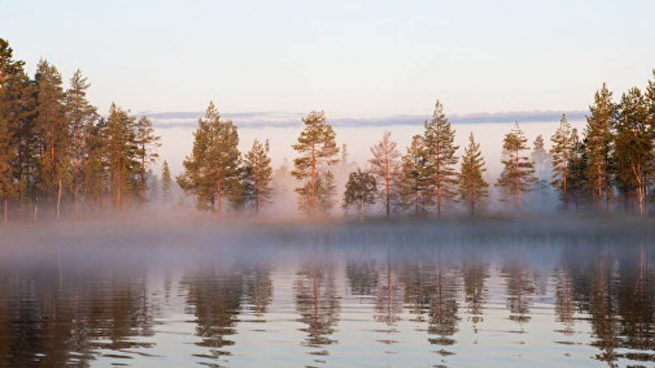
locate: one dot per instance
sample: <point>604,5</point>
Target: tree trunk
<point>517,178</point>
<point>218,195</point>
<point>59,200</point>
<point>6,210</point>
<point>77,165</point>
<point>362,211</point>
<point>313,210</point>
<point>387,186</point>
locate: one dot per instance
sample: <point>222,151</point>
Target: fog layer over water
<point>491,293</point>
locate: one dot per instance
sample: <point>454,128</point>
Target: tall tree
<point>361,191</point>
<point>415,177</point>
<point>563,141</point>
<point>213,170</point>
<point>633,148</point>
<point>472,186</point>
<point>123,157</point>
<point>541,160</point>
<point>81,115</point>
<point>598,143</point>
<point>577,187</point>
<point>439,138</point>
<point>166,182</point>
<point>54,130</point>
<point>7,156</point>
<point>517,176</point>
<point>258,175</point>
<point>147,144</point>
<point>94,168</point>
<point>385,167</point>
<point>317,150</point>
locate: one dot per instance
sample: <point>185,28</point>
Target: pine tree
<point>54,131</point>
<point>598,143</point>
<point>213,170</point>
<point>563,141</point>
<point>633,148</point>
<point>472,186</point>
<point>517,176</point>
<point>361,191</point>
<point>166,182</point>
<point>81,115</point>
<point>258,175</point>
<point>94,167</point>
<point>317,151</point>
<point>415,178</point>
<point>123,157</point>
<point>7,156</point>
<point>147,144</point>
<point>385,167</point>
<point>577,188</point>
<point>439,138</point>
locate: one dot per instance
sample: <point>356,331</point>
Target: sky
<point>350,58</point>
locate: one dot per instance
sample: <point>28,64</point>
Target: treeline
<point>57,152</point>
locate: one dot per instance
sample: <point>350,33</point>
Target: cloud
<point>188,119</point>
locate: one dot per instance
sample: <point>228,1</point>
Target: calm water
<point>551,303</point>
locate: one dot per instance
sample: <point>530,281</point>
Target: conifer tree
<point>317,151</point>
<point>633,148</point>
<point>517,176</point>
<point>598,143</point>
<point>385,167</point>
<point>541,163</point>
<point>415,177</point>
<point>578,189</point>
<point>53,127</point>
<point>123,157</point>
<point>472,186</point>
<point>147,144</point>
<point>81,115</point>
<point>361,191</point>
<point>439,138</point>
<point>213,170</point>
<point>563,141</point>
<point>166,182</point>
<point>258,173</point>
<point>7,156</point>
<point>95,178</point>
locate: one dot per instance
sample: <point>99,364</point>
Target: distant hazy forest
<point>60,158</point>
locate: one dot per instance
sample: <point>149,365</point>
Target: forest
<point>61,158</point>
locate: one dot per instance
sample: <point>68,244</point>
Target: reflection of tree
<point>443,306</point>
<point>258,288</point>
<point>46,315</point>
<point>475,274</point>
<point>603,312</point>
<point>317,303</point>
<point>564,306</point>
<point>388,301</point>
<point>414,277</point>
<point>215,298</point>
<point>362,276</point>
<point>519,288</point>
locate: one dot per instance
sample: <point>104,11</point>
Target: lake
<point>334,297</point>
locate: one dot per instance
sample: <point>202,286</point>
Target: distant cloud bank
<point>182,119</point>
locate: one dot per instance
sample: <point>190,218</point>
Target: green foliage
<point>439,138</point>
<point>213,170</point>
<point>147,144</point>
<point>473,189</point>
<point>517,176</point>
<point>385,167</point>
<point>258,175</point>
<point>166,182</point>
<point>415,177</point>
<point>317,150</point>
<point>563,142</point>
<point>361,191</point>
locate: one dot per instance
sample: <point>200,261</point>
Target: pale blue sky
<point>350,58</point>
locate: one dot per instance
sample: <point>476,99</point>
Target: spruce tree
<point>633,148</point>
<point>517,176</point>
<point>578,190</point>
<point>258,172</point>
<point>81,115</point>
<point>473,189</point>
<point>598,143</point>
<point>166,182</point>
<point>95,166</point>
<point>123,157</point>
<point>439,138</point>
<point>385,167</point>
<point>53,127</point>
<point>541,161</point>
<point>361,191</point>
<point>317,151</point>
<point>563,141</point>
<point>7,156</point>
<point>213,170</point>
<point>415,177</point>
